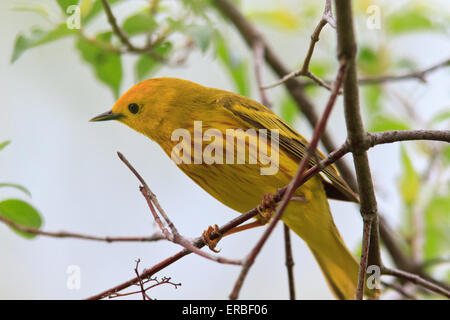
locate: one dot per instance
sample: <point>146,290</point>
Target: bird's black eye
<point>133,107</point>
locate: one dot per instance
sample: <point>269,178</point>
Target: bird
<point>170,111</point>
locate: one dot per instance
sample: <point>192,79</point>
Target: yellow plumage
<point>166,104</point>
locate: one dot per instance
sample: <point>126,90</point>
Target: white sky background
<point>79,184</point>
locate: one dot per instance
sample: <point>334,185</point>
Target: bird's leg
<point>265,210</point>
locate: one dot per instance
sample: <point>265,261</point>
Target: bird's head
<point>148,107</point>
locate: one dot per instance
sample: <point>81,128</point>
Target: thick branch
<point>358,138</point>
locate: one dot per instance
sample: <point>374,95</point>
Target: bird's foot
<point>212,243</point>
<point>266,208</point>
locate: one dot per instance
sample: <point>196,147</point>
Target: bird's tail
<point>338,265</point>
<point>312,221</point>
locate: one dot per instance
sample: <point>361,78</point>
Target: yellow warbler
<point>176,113</point>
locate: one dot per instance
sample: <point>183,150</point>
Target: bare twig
<point>147,49</point>
<point>399,289</point>
<point>175,236</point>
<point>164,280</point>
<point>64,234</point>
<point>327,17</point>
<point>358,138</point>
<point>418,75</point>
<point>416,279</point>
<point>376,138</point>
<point>258,50</point>
<point>115,27</point>
<point>141,283</point>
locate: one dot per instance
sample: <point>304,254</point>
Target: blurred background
<point>53,82</point>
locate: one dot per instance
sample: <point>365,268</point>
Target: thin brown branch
<point>376,138</point>
<point>419,75</point>
<point>357,137</point>
<point>327,16</point>
<point>141,283</point>
<point>175,236</point>
<point>64,234</point>
<point>293,185</point>
<point>399,289</point>
<point>125,40</point>
<point>199,243</point>
<point>416,279</point>
<point>115,27</point>
<point>289,261</point>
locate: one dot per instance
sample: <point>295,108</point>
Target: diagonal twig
<point>327,18</point>
<point>293,185</point>
<point>416,279</point>
<point>175,236</point>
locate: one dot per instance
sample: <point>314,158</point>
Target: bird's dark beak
<point>108,115</point>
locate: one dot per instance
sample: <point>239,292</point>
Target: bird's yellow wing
<point>255,115</point>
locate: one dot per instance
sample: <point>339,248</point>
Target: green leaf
<point>289,109</point>
<point>374,61</point>
<point>280,18</point>
<point>201,34</point>
<point>410,20</point>
<point>38,8</point>
<point>17,186</point>
<point>440,117</point>
<point>22,213</point>
<point>437,228</point>
<point>107,65</point>
<point>64,4</point>
<point>38,37</point>
<point>146,65</point>
<point>86,7</point>
<point>367,59</point>
<point>446,153</point>
<point>139,23</point>
<point>386,123</point>
<point>4,144</point>
<point>237,67</point>
<point>320,68</point>
<point>409,183</point>
<point>95,9</point>
<point>372,98</point>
